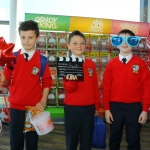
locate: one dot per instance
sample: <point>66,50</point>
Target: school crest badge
<point>35,71</point>
<point>135,69</point>
<point>90,71</point>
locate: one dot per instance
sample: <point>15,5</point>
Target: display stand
<point>54,31</point>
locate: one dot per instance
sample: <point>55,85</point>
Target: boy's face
<point>28,39</point>
<point>77,45</point>
<point>125,49</point>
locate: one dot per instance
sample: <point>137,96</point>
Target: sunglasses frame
<point>126,40</point>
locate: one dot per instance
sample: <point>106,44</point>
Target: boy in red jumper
<point>25,86</point>
<point>126,92</point>
<point>82,98</point>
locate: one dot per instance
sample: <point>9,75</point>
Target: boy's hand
<point>3,80</point>
<point>71,77</point>
<point>40,105</point>
<point>143,117</point>
<point>108,116</point>
<point>2,77</point>
<point>96,112</point>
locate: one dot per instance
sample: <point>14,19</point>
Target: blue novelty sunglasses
<point>132,41</point>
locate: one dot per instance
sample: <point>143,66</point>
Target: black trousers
<point>79,124</point>
<point>17,136</point>
<point>128,115</point>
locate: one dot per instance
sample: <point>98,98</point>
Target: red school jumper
<point>83,92</point>
<point>126,83</point>
<point>25,87</point>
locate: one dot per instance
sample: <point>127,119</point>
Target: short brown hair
<point>29,25</point>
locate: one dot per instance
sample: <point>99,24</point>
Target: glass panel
<point>4,32</point>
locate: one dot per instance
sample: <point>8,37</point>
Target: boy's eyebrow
<point>80,41</point>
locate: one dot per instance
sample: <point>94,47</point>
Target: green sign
<point>50,22</point>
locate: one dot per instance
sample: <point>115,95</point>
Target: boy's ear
<point>68,46</point>
<point>37,39</point>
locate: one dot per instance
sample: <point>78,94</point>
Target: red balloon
<point>6,53</point>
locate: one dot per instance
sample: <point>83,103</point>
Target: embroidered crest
<point>135,69</point>
<point>35,70</point>
<point>90,72</point>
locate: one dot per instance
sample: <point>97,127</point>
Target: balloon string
<point>5,102</point>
